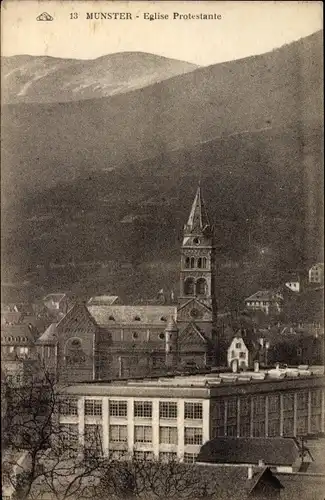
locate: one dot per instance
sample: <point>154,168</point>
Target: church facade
<point>93,342</point>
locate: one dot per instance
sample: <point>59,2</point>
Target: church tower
<point>196,302</point>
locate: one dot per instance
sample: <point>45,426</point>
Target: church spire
<point>198,218</point>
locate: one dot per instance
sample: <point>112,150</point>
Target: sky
<point>245,28</point>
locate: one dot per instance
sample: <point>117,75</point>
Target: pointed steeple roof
<point>198,218</point>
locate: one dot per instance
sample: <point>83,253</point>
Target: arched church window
<point>192,263</point>
<point>111,318</point>
<point>187,262</point>
<point>189,286</point>
<point>161,336</point>
<point>163,318</point>
<point>74,354</point>
<point>204,262</point>
<point>135,335</point>
<point>199,262</point>
<point>137,318</point>
<point>201,287</point>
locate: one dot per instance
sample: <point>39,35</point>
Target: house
<point>57,302</point>
<point>241,483</point>
<point>266,301</point>
<point>14,463</point>
<point>18,339</point>
<point>293,284</point>
<point>238,354</point>
<point>316,274</point>
<point>278,453</point>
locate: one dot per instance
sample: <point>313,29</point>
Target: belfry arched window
<point>187,262</point>
<point>192,263</point>
<point>204,262</point>
<point>189,286</point>
<point>199,262</point>
<point>201,287</point>
<point>74,354</point>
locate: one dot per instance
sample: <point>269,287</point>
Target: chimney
<point>261,463</point>
<point>250,472</point>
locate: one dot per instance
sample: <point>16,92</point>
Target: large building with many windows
<point>172,417</point>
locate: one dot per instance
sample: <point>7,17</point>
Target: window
<point>167,410</point>
<point>168,435</point>
<point>201,286</point>
<point>242,355</point>
<point>193,435</point>
<point>135,335</point>
<point>137,318</point>
<point>274,415</point>
<point>232,354</point>
<point>118,433</point>
<point>199,263</point>
<point>68,439</point>
<point>119,454</point>
<point>193,411</point>
<point>93,439</point>
<point>245,413</point>
<point>167,456</point>
<point>69,407</point>
<point>204,262</point>
<point>192,262</point>
<point>93,407</point>
<point>187,262</point>
<point>161,336</point>
<point>238,345</point>
<point>189,458</point>
<point>143,409</point>
<point>142,434</point>
<point>189,286</point>
<point>111,318</point>
<point>118,408</point>
<point>143,455</point>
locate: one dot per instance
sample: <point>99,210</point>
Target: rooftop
<point>153,314</point>
<point>200,384</point>
<point>273,451</point>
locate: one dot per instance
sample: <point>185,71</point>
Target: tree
<point>41,458</point>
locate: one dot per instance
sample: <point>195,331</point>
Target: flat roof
<point>204,385</point>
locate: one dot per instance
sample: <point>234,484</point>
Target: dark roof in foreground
<point>273,451</point>
<point>234,483</point>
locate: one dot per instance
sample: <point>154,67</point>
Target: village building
<point>173,416</point>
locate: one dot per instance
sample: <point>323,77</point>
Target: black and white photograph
<point>162,250</point>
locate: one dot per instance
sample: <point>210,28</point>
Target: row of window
<point>195,287</point>
<point>141,409</point>
<point>18,350</point>
<point>164,456</point>
<point>119,434</point>
<point>14,339</point>
<point>192,263</point>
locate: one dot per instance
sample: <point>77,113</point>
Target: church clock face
<point>195,314</point>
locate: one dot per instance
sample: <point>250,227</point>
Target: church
<point>97,342</point>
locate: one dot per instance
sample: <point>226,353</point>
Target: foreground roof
<point>273,451</point>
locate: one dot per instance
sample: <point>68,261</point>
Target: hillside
<point>251,129</point>
<point>50,79</point>
<point>57,142</point>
